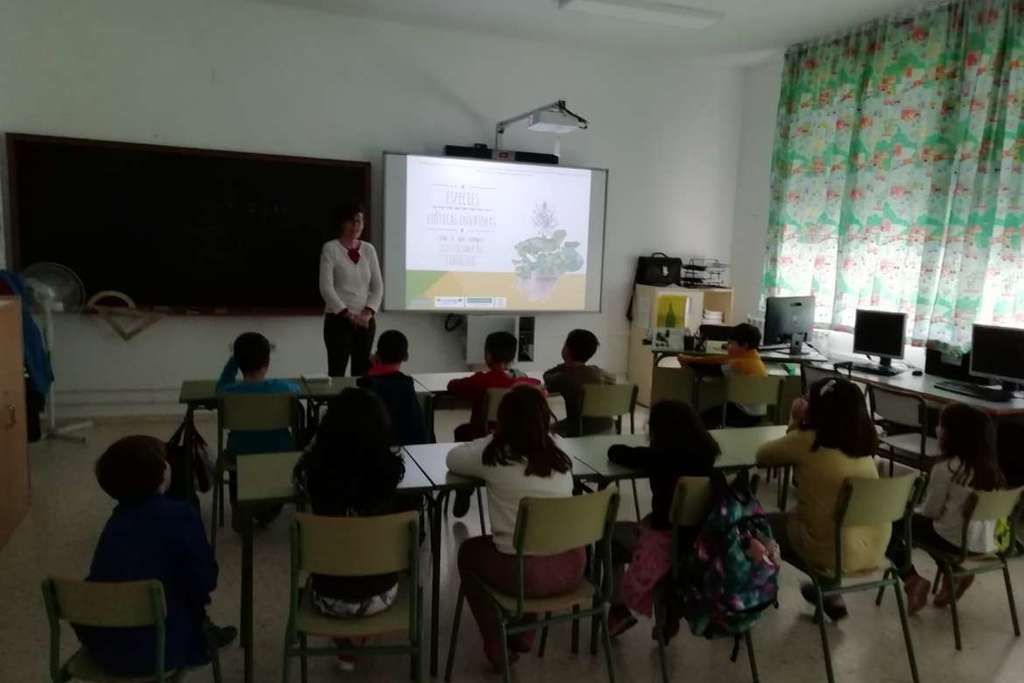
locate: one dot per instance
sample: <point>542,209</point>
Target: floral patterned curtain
<point>897,174</point>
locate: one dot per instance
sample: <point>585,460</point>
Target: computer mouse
<point>917,373</point>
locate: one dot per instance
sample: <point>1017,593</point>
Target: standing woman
<point>352,289</point>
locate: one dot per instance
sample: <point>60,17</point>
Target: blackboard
<point>190,229</point>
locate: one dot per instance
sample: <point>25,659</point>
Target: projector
<point>557,122</point>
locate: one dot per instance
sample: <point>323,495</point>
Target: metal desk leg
<point>246,619</point>
<point>435,506</point>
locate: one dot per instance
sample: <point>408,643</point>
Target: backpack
<point>731,575</point>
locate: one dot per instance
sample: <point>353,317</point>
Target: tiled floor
<point>68,511</point>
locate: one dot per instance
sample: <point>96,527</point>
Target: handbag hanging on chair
<point>187,442</point>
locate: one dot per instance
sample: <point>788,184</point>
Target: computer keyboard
<point>872,369</point>
<point>996,394</point>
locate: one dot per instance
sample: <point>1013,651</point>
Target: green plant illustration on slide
<point>543,259</point>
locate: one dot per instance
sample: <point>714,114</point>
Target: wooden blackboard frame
<point>13,140</point>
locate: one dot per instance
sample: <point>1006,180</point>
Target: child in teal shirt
<point>251,357</point>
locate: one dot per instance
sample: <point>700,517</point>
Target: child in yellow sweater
<point>742,359</point>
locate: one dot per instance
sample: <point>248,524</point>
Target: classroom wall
<point>761,84</point>
<point>264,77</point>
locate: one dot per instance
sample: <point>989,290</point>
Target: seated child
<point>741,358</point>
<point>967,439</point>
<point>680,447</point>
<point>520,460</point>
<point>831,438</point>
<point>396,389</point>
<point>252,357</point>
<point>151,536</point>
<point>568,379</point>
<point>352,470</point>
<point>499,353</point>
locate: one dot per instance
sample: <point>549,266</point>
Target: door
<point>14,479</point>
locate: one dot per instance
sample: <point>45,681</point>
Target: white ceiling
<point>750,27</point>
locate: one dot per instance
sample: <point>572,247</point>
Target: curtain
<point>897,173</point>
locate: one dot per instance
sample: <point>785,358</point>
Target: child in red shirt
<point>499,352</point>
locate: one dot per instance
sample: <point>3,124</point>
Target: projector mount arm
<point>558,105</point>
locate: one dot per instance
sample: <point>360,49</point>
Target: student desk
<point>738,450</point>
<point>437,382</point>
<point>769,356</point>
<point>924,386</point>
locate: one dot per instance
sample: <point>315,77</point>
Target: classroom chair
<point>246,412</point>
<point>548,526</point>
<point>904,417</point>
<point>131,604</point>
<point>614,401</point>
<point>426,401</point>
<point>982,506</point>
<point>866,502</point>
<point>352,547</point>
<point>689,508</point>
<point>766,390</point>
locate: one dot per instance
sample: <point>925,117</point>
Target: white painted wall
<point>256,76</point>
<point>761,84</point>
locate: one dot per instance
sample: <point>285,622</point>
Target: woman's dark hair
<point>132,468</point>
<point>969,435</point>
<point>676,426</point>
<point>352,467</point>
<point>347,212</point>
<point>837,413</point>
<point>524,433</point>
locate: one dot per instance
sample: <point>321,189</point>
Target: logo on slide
<point>543,259</point>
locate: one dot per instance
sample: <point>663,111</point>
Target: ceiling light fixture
<point>662,13</point>
<point>551,118</point>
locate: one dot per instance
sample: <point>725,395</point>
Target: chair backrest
<point>742,389</point>
<point>354,546</point>
<point>809,374</point>
<point>874,502</point>
<point>608,400</point>
<point>989,506</point>
<point>494,397</point>
<point>426,401</point>
<point>894,406</point>
<point>257,412</point>
<point>691,500</point>
<point>127,604</point>
<point>548,526</point>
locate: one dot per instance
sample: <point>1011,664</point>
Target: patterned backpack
<point>731,576</point>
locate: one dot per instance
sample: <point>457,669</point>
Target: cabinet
<point>641,361</point>
<point>14,477</point>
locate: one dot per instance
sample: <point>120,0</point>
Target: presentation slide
<point>474,235</point>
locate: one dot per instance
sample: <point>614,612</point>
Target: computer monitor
<point>788,320</point>
<point>882,334</point>
<point>998,353</point>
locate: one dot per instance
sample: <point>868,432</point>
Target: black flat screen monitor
<point>998,353</point>
<point>880,333</point>
<point>788,320</point>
